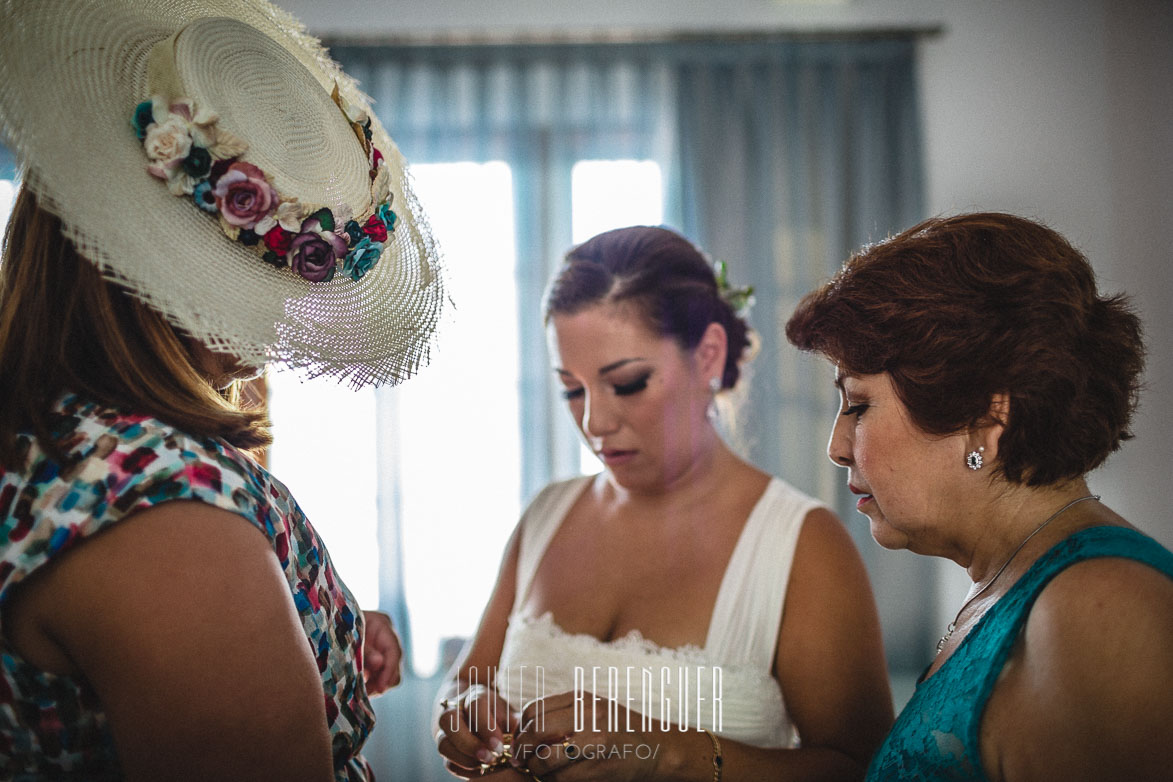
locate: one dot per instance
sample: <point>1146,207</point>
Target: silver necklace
<point>953,625</point>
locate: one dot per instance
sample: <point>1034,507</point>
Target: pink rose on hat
<point>243,195</point>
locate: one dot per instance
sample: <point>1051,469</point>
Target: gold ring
<point>571,751</point>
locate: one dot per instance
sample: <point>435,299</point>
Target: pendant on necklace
<point>953,625</point>
<point>945,638</point>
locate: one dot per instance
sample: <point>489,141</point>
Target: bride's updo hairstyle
<point>662,276</point>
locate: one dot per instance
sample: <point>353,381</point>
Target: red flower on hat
<point>376,229</point>
<point>279,240</point>
<point>244,196</point>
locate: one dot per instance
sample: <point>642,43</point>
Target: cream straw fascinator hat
<point>210,157</point>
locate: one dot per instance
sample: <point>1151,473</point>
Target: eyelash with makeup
<point>856,410</point>
<point>634,387</point>
<point>621,389</point>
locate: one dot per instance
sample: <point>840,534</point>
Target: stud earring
<point>974,459</point>
<point>714,384</point>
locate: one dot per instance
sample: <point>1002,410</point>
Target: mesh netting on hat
<point>71,74</point>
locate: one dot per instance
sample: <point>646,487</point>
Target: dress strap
<point>957,694</point>
<point>748,611</point>
<point>538,524</point>
<point>1009,614</point>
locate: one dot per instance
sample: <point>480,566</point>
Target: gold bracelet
<point>718,759</point>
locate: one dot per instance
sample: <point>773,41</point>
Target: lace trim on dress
<point>633,641</point>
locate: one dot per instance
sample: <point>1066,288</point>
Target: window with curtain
<point>7,198</point>
<point>462,412</point>
<point>778,155</point>
<point>7,185</point>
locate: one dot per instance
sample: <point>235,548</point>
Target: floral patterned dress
<point>118,463</point>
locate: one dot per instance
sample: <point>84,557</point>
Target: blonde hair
<point>66,328</point>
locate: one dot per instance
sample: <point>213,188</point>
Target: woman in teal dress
<point>982,377</point>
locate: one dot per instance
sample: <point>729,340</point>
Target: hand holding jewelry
<point>611,743</point>
<point>474,731</point>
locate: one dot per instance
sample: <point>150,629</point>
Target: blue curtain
<point>789,157</point>
<point>539,109</point>
<point>780,155</point>
<point>7,164</point>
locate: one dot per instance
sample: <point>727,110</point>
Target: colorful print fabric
<point>118,463</point>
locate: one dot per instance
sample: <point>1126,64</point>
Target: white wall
<point>1057,109</point>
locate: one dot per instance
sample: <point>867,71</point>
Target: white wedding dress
<point>726,686</point>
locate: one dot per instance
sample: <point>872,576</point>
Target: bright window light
<point>459,439</point>
<point>608,194</point>
<point>324,451</point>
<point>455,433</point>
<point>7,199</point>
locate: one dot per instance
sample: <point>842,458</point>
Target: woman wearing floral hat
<point>204,194</point>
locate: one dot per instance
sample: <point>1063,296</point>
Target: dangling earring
<point>974,459</point>
<point>714,387</point>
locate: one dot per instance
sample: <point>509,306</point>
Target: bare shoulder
<point>829,585</point>
<point>154,554</point>
<point>1088,690</point>
<point>1105,577</point>
<point>830,656</point>
<point>1096,610</point>
<point>161,550</point>
<point>828,594</point>
<point>751,477</point>
<point>182,619</point>
<point>1106,623</point>
<point>824,539</point>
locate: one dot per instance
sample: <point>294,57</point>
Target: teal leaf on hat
<point>325,218</point>
<point>142,118</point>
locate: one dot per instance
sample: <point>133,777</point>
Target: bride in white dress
<point>681,615</point>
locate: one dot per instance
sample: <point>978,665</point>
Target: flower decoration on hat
<point>188,150</point>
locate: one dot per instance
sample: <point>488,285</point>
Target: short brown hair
<point>957,309</point>
<point>66,328</point>
<point>668,280</point>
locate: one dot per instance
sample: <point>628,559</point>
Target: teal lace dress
<point>53,726</point>
<point>936,736</point>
